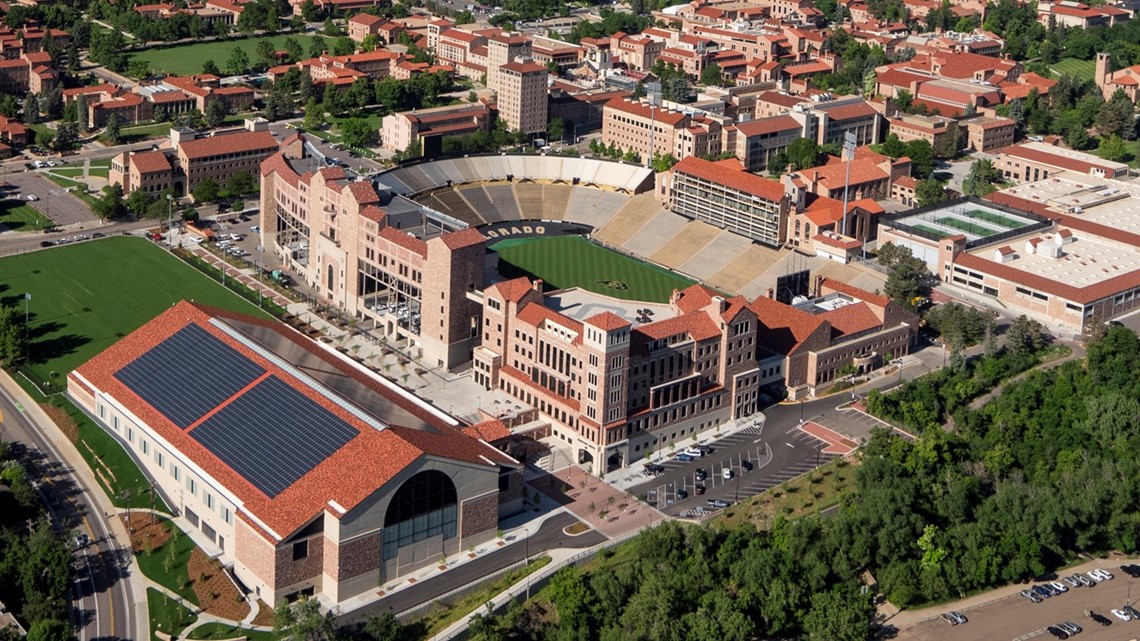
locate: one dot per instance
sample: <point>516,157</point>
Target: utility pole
<point>27,340</point>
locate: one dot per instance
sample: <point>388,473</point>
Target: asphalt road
<point>102,599</point>
<point>1015,618</point>
<point>53,201</point>
<point>548,536</point>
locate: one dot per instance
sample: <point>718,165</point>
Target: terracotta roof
<point>854,292</point>
<point>839,242</point>
<point>459,34</point>
<point>851,319</point>
<point>663,116</point>
<point>375,456</point>
<point>363,192</point>
<point>524,67</point>
<point>833,175</point>
<point>462,238</point>
<point>515,289</point>
<point>229,144</point>
<point>366,19</point>
<point>489,431</point>
<point>149,162</point>
<point>405,240</point>
<point>697,325</point>
<point>739,180</point>
<point>607,321</point>
<point>860,109</point>
<point>694,297</point>
<point>768,125</point>
<point>1077,164</point>
<point>521,377</point>
<point>817,66</point>
<point>784,328</point>
<point>537,315</point>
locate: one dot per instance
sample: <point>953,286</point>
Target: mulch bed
<point>217,595</point>
<point>62,420</point>
<point>145,535</point>
<point>264,614</point>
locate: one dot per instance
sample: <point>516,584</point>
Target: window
<point>192,485</point>
<point>209,499</point>
<point>301,550</point>
<point>227,515</point>
<point>175,472</point>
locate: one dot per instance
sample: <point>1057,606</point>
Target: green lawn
<point>70,172</point>
<point>166,614</point>
<point>217,631</point>
<point>20,216</point>
<point>188,59</point>
<point>175,555</point>
<point>99,172</point>
<point>89,295</point>
<point>573,261</point>
<point>1085,69</point>
<point>154,130</point>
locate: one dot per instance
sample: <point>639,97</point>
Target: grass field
<point>166,614</point>
<point>20,216</point>
<point>70,172</point>
<point>961,225</point>
<point>996,219</point>
<point>187,59</point>
<point>573,261</point>
<point>89,295</point>
<point>167,565</point>
<point>214,630</point>
<point>1081,68</point>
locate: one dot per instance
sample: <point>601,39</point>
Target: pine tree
<point>114,136</point>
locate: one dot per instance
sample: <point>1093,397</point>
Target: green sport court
<point>88,295</point>
<point>573,261</point>
<point>968,227</point>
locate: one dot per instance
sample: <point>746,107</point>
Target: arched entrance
<point>422,516</point>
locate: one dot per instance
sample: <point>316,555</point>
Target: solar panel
<point>188,374</point>
<point>273,435</point>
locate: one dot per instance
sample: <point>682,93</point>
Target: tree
<point>293,47</point>
<point>110,205</point>
<point>889,254</point>
<point>210,67</point>
<point>331,28</point>
<point>309,11</point>
<point>712,75</point>
<point>31,109</point>
<point>240,183</point>
<point>216,112</point>
<point>237,206</point>
<point>314,116</point>
<point>803,153</point>
<point>206,191</point>
<point>904,100</point>
<point>138,68</point>
<point>12,335</point>
<point>1116,117</point>
<point>50,630</point>
<point>316,47</point>
<point>53,103</point>
<point>66,135</point>
<point>81,121</point>
<point>343,46</point>
<point>556,129</point>
<point>1113,147</point>
<point>355,132</point>
<point>238,62</point>
<point>112,133</point>
<point>930,192</point>
<point>139,202</point>
<point>842,613</point>
<point>908,279</point>
<point>383,627</point>
<point>921,156</point>
<point>303,621</point>
<point>1025,335</point>
<point>980,181</point>
<point>266,53</point>
<point>663,162</point>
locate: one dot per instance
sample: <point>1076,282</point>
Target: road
<point>102,603</point>
<point>548,536</point>
<point>360,164</point>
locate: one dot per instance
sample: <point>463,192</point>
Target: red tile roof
<point>860,109</point>
<point>375,456</point>
<point>405,240</point>
<point>537,315</point>
<point>663,116</point>
<point>150,162</point>
<point>515,289</point>
<point>851,319</point>
<point>1055,160</point>
<point>830,284</point>
<point>463,238</point>
<point>739,180</point>
<point>784,328</point>
<point>697,325</point>
<point>229,144</point>
<point>768,125</point>
<point>363,192</point>
<point>607,321</point>
<point>524,67</point>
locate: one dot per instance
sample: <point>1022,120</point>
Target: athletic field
<point>88,295</point>
<point>969,228</point>
<point>1084,69</point>
<point>187,59</point>
<point>573,261</point>
<point>997,219</point>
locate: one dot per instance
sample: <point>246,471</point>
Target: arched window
<point>330,277</point>
<point>426,505</point>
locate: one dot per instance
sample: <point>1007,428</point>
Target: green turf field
<point>573,261</point>
<point>996,219</point>
<point>20,216</point>
<point>88,295</point>
<point>931,230</point>
<point>1085,69</point>
<point>188,59</point>
<point>969,228</point>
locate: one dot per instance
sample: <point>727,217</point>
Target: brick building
<point>384,261</point>
<point>724,194</point>
<point>521,96</point>
<point>269,497</point>
<point>408,129</point>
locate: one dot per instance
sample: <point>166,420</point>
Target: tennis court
<point>990,217</point>
<point>965,226</point>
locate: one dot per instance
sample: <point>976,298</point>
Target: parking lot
<point>53,201</point>
<point>1013,617</point>
<point>776,456</point>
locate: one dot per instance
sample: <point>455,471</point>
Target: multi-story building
<point>30,73</point>
<point>1033,161</point>
<point>386,262</point>
<point>301,471</point>
<point>193,159</point>
<point>936,130</point>
<point>408,129</point>
<point>985,133</point>
<point>723,194</point>
<point>503,49</point>
<point>636,52</point>
<point>521,96</point>
<point>647,130</point>
<point>868,176</point>
<point>757,141</point>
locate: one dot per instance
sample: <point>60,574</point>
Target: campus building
<point>1033,161</point>
<point>193,159</point>
<point>647,130</point>
<point>521,96</point>
<point>408,129</point>
<point>247,428</point>
<point>723,194</point>
<point>400,269</point>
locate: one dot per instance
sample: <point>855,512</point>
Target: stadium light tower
<point>653,93</point>
<point>849,142</point>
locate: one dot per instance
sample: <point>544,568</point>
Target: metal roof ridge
<point>336,399</point>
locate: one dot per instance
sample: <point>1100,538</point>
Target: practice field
<point>88,295</point>
<point>573,261</point>
<point>19,216</point>
<point>188,59</point>
<point>969,228</point>
<point>1084,69</point>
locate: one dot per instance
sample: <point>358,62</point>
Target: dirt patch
<point>575,529</point>
<point>62,420</point>
<point>264,614</point>
<point>146,537</point>
<point>217,595</point>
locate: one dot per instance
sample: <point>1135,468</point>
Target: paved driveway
<point>54,202</point>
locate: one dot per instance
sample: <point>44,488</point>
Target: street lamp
<point>260,285</point>
<point>170,219</point>
<point>27,346</point>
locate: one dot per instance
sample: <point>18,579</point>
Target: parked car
<point>255,229</point>
<point>1100,574</point>
<point>721,503</point>
<point>682,495</point>
<point>1041,592</point>
<point>1100,619</point>
<point>1085,581</point>
<point>1072,581</point>
<point>705,449</point>
<point>1031,596</point>
<point>653,469</point>
<point>726,473</point>
<point>1059,587</point>
<point>1122,615</point>
<point>746,465</point>
<point>1131,611</point>
<point>81,541</point>
<point>1131,570</point>
<point>693,452</point>
<point>1070,627</point>
<point>46,243</point>
<point>949,619</point>
<point>699,489</point>
<point>98,235</point>
<point>33,197</point>
<point>958,617</point>
<point>684,458</point>
<point>1057,632</point>
<point>701,474</point>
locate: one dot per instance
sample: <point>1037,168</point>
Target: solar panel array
<point>188,374</point>
<point>273,435</point>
